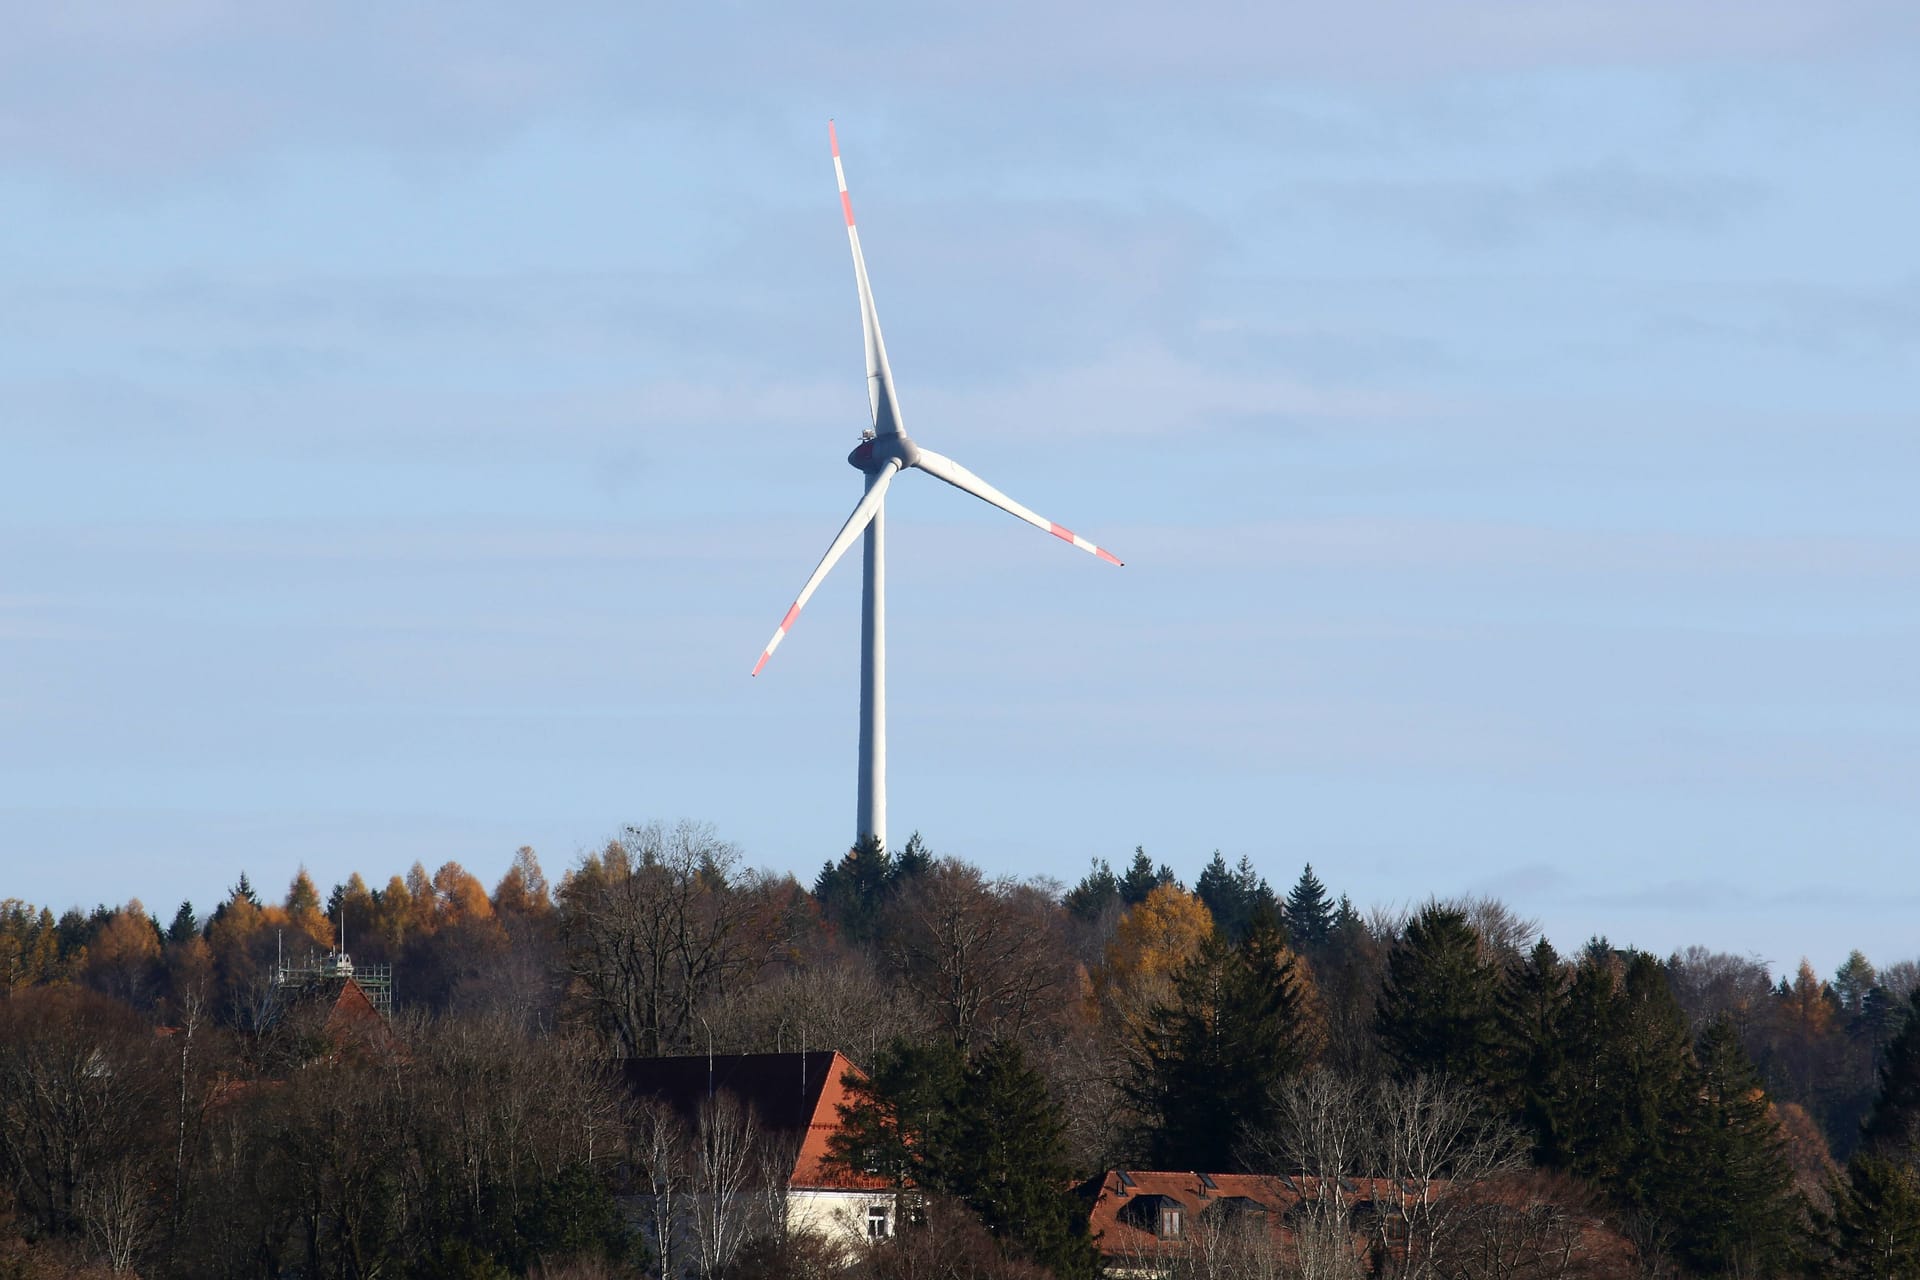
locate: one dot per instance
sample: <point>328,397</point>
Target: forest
<point>169,1109</point>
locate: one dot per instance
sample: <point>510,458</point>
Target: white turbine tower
<point>883,451</point>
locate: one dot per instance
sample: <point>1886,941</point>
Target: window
<point>877,1222</point>
<point>1169,1222</point>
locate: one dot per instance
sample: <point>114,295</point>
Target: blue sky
<point>415,423</point>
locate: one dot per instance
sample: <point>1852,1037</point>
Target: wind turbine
<point>884,450</point>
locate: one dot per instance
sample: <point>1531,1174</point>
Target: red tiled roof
<point>1121,1235</point>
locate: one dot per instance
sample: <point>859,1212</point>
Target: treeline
<point>1020,1034</point>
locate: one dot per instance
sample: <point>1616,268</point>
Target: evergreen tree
<point>912,862</point>
<point>1142,878</point>
<point>852,891</point>
<point>1228,900</point>
<point>1851,983</point>
<point>1628,1089</point>
<point>1310,916</point>
<point>1739,1207</point>
<point>1097,893</point>
<point>984,1132</point>
<point>1209,1063</point>
<point>1008,1168</point>
<point>1528,1062</point>
<point>184,926</point>
<point>1892,1128</point>
<point>1873,1231</point>
<point>1437,1012</point>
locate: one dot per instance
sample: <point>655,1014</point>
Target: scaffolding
<point>337,966</point>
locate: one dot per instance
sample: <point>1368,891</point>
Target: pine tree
<point>1310,917</point>
<point>1892,1128</point>
<point>1739,1202</point>
<point>1436,1014</point>
<point>1206,1070</point>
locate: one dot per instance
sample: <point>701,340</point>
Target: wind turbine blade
<point>855,525</point>
<point>880,397</point>
<point>945,468</point>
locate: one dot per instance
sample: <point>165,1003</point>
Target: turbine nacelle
<point>874,452</point>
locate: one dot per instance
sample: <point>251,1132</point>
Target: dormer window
<point>1170,1221</point>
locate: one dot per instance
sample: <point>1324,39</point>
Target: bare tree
<point>983,956</point>
<point>1436,1152</point>
<point>661,1142</point>
<point>656,925</point>
<point>839,1002</point>
<point>725,1164</point>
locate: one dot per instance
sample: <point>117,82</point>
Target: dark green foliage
<point>900,1122</point>
<point>1232,896</point>
<point>1528,1063</point>
<point>984,1132</point>
<point>1206,1072</point>
<point>1873,1232</point>
<point>184,926</point>
<point>911,861</point>
<point>572,1214</point>
<point>1097,893</point>
<point>1310,913</point>
<point>1437,1012</point>
<point>1627,1098</point>
<point>1142,878</point>
<point>852,891</point>
<point>1739,1208</point>
<point>1892,1128</point>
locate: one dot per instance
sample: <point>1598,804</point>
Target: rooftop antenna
<point>884,450</point>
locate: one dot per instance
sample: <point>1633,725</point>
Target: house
<point>1163,1223</point>
<point>794,1101</point>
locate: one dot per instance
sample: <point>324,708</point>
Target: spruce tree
<point>1096,894</point>
<point>852,891</point>
<point>984,1132</point>
<point>1627,1099</point>
<point>1739,1207</point>
<point>1007,1164</point>
<point>1310,914</point>
<point>1226,899</point>
<point>1892,1128</point>
<point>1873,1231</point>
<point>1142,878</point>
<point>1528,1061</point>
<point>912,861</point>
<point>184,926</point>
<point>1436,1014</point>
<point>1207,1069</point>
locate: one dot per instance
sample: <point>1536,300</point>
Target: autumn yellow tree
<point>458,895</point>
<point>1151,942</point>
<point>29,946</point>
<point>304,916</point>
<point>522,892</point>
<point>123,959</point>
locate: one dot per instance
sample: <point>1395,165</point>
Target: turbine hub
<point>874,452</point>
